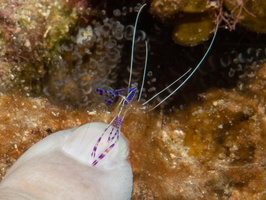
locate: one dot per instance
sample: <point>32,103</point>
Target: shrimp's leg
<point>116,124</point>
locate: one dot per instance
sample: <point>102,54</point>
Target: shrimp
<point>131,92</point>
<point>82,163</point>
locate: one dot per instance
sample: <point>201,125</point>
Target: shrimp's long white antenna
<point>133,46</point>
<point>209,48</point>
<point>144,70</point>
<point>167,87</point>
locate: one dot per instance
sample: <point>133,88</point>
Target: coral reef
<point>86,62</point>
<point>211,150</point>
<point>47,54</point>
<point>193,21</point>
<point>89,59</point>
<point>77,68</point>
<point>39,118</point>
<point>28,32</point>
<point>198,17</point>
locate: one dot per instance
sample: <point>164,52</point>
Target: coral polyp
<point>87,61</point>
<point>84,62</point>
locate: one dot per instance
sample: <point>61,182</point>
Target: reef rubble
<point>215,149</point>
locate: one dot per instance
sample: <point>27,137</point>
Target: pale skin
<point>60,167</point>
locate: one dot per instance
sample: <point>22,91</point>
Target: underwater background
<point>205,142</point>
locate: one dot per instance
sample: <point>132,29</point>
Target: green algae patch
<point>196,6</point>
<point>190,30</point>
<point>30,31</point>
<point>36,23</point>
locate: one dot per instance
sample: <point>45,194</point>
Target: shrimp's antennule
<point>189,76</point>
<point>167,87</point>
<point>133,46</point>
<point>144,71</point>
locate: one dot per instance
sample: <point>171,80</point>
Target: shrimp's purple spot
<point>132,92</point>
<point>101,156</point>
<point>112,145</point>
<point>112,94</point>
<point>94,162</point>
<point>93,154</point>
<point>101,91</point>
<point>99,139</point>
<point>109,102</point>
<point>116,134</point>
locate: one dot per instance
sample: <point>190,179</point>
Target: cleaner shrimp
<point>130,93</point>
<point>82,163</point>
